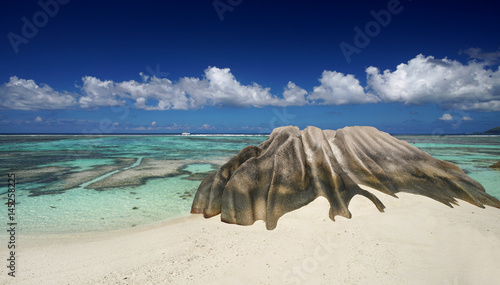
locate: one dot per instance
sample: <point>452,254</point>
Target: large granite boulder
<point>292,168</point>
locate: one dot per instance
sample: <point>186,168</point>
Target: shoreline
<point>105,232</point>
<point>416,240</point>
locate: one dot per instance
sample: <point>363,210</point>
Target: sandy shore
<point>416,241</point>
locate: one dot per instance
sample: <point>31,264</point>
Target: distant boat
<point>185,134</point>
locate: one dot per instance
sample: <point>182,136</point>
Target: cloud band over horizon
<point>422,80</point>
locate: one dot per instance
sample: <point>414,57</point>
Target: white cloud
<point>38,119</point>
<point>448,83</point>
<point>207,127</point>
<point>99,93</point>
<point>165,94</point>
<point>422,80</point>
<point>22,94</point>
<point>487,57</point>
<point>339,89</point>
<point>294,95</point>
<point>446,117</point>
<point>467,118</point>
<point>487,106</point>
<point>160,91</point>
<point>153,123</point>
<point>220,87</point>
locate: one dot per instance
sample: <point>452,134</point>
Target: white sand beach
<point>416,241</point>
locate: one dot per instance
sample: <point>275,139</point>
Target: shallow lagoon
<point>71,184</point>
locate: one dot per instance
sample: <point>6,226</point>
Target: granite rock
<point>293,167</point>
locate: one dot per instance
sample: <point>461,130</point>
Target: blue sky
<point>405,66</point>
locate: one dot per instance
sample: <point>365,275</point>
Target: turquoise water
<point>55,174</point>
<point>473,154</point>
<point>58,178</point>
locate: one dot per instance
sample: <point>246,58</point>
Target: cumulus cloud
<point>22,94</point>
<point>99,93</point>
<point>38,119</point>
<point>467,118</point>
<point>294,95</point>
<point>339,89</point>
<point>163,92</point>
<point>422,80</point>
<point>486,106</point>
<point>108,93</point>
<point>448,83</point>
<point>220,87</point>
<point>446,117</point>
<point>487,57</point>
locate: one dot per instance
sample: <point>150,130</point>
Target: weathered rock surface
<point>495,165</point>
<point>292,168</point>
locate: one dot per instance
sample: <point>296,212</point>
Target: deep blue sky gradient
<point>266,42</point>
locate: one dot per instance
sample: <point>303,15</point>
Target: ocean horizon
<point>225,134</point>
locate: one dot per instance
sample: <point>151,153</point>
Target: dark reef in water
<point>58,179</point>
